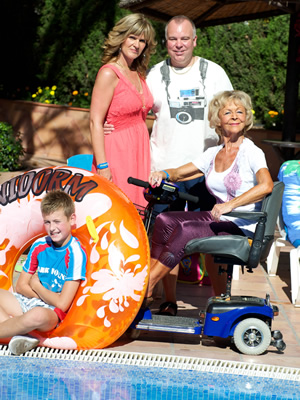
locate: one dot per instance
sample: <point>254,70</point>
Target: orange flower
<point>272,113</point>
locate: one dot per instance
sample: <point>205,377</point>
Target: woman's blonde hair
<point>132,24</point>
<point>220,100</point>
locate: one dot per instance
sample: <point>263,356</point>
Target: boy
<point>50,278</point>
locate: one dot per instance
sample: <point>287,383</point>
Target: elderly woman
<point>122,98</point>
<point>236,174</point>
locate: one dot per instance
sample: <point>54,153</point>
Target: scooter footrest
<point>165,323</point>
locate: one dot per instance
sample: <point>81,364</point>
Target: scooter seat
<point>231,246</point>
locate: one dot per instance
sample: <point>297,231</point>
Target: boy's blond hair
<point>56,200</point>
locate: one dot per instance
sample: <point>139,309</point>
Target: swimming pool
<point>106,375</point>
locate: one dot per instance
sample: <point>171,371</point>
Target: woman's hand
<point>220,209</point>
<point>156,177</point>
<point>105,173</point>
<point>183,173</point>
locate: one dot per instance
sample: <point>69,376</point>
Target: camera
<point>188,107</point>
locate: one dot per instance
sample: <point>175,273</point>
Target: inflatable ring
<point>112,233</point>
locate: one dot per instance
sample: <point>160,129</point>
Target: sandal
<point>147,302</point>
<point>164,306</point>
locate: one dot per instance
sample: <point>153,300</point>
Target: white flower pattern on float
<point>117,284</point>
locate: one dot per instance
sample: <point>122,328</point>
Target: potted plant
<point>10,153</point>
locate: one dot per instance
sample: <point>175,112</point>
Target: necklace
<point>141,92</point>
<point>187,69</point>
<point>136,83</point>
<point>121,65</point>
<point>139,88</point>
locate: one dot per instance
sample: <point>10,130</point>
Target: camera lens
<point>183,117</point>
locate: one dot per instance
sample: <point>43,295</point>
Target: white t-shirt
<point>236,180</point>
<point>181,130</point>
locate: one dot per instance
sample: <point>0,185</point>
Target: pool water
<point>50,379</point>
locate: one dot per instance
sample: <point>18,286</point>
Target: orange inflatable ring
<point>109,228</point>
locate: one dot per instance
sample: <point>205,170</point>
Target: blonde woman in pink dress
<point>121,97</point>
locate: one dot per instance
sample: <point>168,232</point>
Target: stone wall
<point>52,133</point>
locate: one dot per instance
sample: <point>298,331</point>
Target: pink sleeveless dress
<point>127,148</point>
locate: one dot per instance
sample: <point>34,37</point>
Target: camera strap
<point>165,73</point>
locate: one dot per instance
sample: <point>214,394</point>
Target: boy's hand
<point>23,285</point>
<point>35,282</point>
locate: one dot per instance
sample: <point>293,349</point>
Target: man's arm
<point>61,300</point>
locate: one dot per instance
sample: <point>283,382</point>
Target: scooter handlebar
<point>138,182</point>
<point>181,195</point>
<point>188,197</point>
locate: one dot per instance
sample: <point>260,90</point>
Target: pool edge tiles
<point>165,361</point>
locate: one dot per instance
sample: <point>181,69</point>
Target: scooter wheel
<point>280,345</point>
<point>252,336</point>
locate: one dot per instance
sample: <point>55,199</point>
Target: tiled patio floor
<point>191,298</point>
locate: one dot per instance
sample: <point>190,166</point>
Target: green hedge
<point>61,42</point>
<point>254,54</point>
<point>11,148</point>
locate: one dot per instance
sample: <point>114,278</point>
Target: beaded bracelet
<point>167,176</point>
<point>102,165</point>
